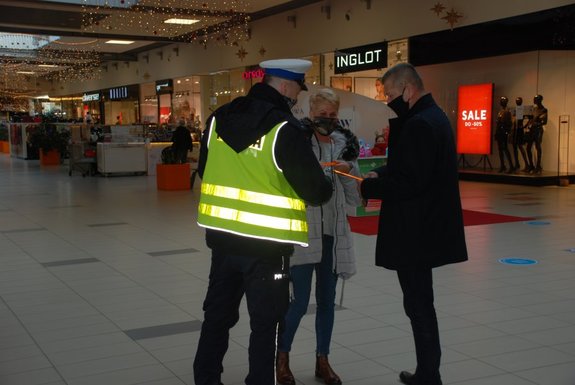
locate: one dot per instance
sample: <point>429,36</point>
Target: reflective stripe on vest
<point>253,219</point>
<point>251,198</point>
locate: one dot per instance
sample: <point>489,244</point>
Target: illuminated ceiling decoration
<point>179,20</point>
<point>25,58</point>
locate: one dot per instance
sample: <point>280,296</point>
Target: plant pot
<point>49,158</point>
<point>4,146</point>
<point>173,176</point>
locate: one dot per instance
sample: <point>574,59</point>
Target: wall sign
<point>366,57</point>
<point>254,74</point>
<point>474,119</point>
<point>164,86</point>
<point>118,93</point>
<point>91,97</point>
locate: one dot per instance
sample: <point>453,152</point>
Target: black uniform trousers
<point>265,283</point>
<point>417,287</point>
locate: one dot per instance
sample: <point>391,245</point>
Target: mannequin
<point>536,129</point>
<point>502,131</point>
<point>517,139</point>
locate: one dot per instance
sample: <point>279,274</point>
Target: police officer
<point>258,172</point>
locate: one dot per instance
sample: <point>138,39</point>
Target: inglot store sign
<point>366,57</point>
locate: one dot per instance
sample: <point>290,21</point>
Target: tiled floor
<point>102,281</point>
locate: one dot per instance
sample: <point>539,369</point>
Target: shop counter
<point>154,151</point>
<point>122,158</point>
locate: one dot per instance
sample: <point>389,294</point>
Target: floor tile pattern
<point>102,281</point>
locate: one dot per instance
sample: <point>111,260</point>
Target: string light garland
<point>179,20</point>
<point>27,58</point>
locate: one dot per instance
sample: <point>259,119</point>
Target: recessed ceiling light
<point>181,21</point>
<point>26,72</point>
<point>125,42</point>
<point>47,65</point>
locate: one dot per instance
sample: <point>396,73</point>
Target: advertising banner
<point>474,119</point>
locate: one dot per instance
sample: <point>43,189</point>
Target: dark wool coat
<point>421,222</point>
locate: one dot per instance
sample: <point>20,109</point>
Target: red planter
<point>173,176</point>
<point>50,158</point>
<point>4,146</point>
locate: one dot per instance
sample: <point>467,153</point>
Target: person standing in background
<point>258,172</point>
<point>421,221</point>
<point>181,142</point>
<point>330,253</point>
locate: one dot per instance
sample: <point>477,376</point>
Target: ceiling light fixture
<point>124,42</point>
<point>181,21</point>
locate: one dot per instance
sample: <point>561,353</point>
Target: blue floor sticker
<point>538,223</point>
<point>571,250</point>
<point>518,261</point>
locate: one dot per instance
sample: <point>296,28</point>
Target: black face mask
<point>325,126</point>
<point>399,106</point>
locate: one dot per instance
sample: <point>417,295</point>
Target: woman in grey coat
<point>330,253</point>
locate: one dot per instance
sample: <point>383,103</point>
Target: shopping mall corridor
<point>102,281</point>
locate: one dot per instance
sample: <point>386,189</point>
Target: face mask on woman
<point>325,126</point>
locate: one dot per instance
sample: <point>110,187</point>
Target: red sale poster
<point>474,119</point>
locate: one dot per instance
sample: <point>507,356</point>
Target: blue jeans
<point>326,279</point>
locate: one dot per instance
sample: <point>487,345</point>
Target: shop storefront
<point>148,104</point>
<point>92,107</point>
<point>164,92</point>
<point>187,101</point>
<point>121,105</point>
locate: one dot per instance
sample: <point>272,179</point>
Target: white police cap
<point>291,69</point>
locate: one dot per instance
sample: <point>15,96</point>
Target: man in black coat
<point>181,142</point>
<point>421,221</point>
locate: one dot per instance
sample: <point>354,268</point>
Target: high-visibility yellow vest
<point>247,194</point>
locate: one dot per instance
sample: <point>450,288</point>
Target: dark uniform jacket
<point>240,124</point>
<point>421,222</point>
<point>181,139</point>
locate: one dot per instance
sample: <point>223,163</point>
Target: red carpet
<point>368,225</point>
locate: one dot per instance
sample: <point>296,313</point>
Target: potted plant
<point>51,143</point>
<point>171,175</point>
<point>4,142</point>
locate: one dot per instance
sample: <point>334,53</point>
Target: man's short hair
<point>403,73</point>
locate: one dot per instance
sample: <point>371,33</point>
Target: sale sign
<point>474,119</point>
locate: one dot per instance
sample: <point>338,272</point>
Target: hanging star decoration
<point>242,53</point>
<point>330,65</point>
<point>452,17</point>
<point>438,8</point>
<point>262,51</point>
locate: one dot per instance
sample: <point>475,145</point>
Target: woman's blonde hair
<point>324,95</point>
